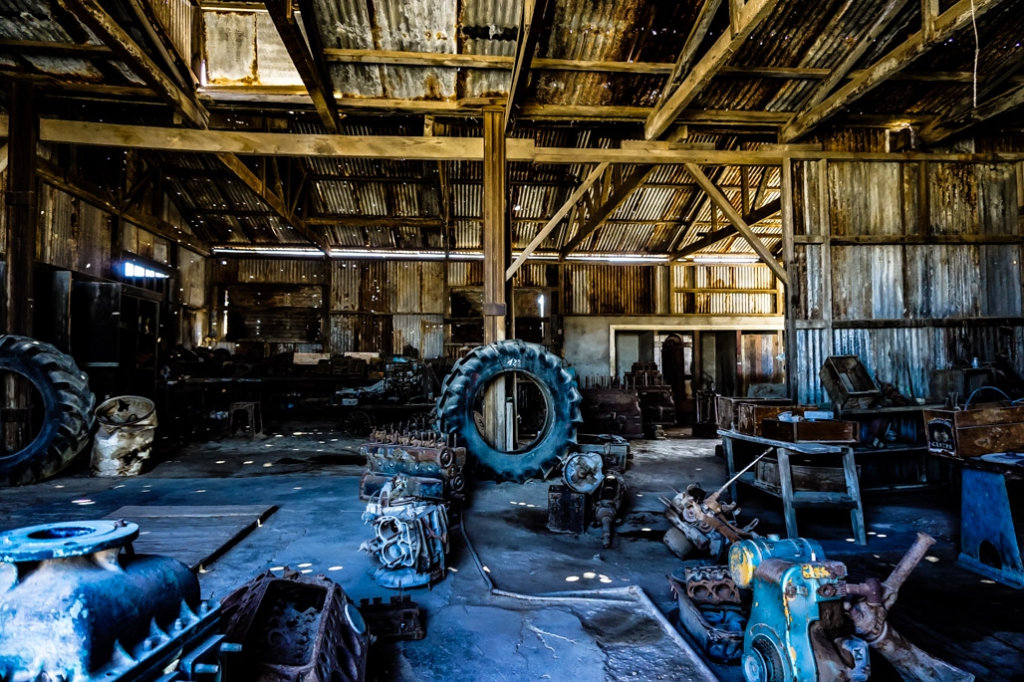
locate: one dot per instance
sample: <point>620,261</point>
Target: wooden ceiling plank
<point>946,25</point>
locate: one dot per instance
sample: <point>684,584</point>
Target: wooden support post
<point>495,214</point>
<point>789,344</point>
<point>22,214</point>
<point>22,219</point>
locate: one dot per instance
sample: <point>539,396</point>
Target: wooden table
<point>792,499</point>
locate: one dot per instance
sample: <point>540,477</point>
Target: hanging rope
<point>977,52</point>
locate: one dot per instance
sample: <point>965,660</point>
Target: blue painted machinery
<point>808,624</point>
<point>989,544</point>
<point>78,605</point>
<point>797,628</point>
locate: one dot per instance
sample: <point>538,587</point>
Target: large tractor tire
<point>68,405</point>
<point>472,373</point>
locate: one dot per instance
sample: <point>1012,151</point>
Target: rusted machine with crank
<point>809,624</point>
<point>702,523</point>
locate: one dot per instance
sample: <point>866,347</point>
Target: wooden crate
<point>975,432</point>
<point>749,416</point>
<point>824,431</point>
<point>848,383</point>
<point>805,478</point>
<point>727,408</point>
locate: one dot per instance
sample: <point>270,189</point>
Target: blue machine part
<point>988,538</point>
<point>797,615</point>
<point>76,608</point>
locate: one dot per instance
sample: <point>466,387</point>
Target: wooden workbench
<point>792,499</point>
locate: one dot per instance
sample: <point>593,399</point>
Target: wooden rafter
<point>842,70</point>
<point>945,26</point>
<point>53,176</point>
<point>505,63</point>
<point>966,114</point>
<point>556,219</point>
<point>92,14</point>
<point>752,14</point>
<point>947,127</point>
<point>755,216</point>
<point>619,195</point>
<point>689,52</point>
<point>719,199</point>
<point>42,47</point>
<point>299,52</point>
<point>530,25</point>
<point>276,204</point>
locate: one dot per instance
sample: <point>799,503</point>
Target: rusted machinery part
<point>297,627</point>
<point>75,607</point>
<point>68,405</point>
<point>474,372</point>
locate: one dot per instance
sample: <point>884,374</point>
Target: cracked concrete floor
<point>311,474</point>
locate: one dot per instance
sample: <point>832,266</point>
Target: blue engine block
<point>797,616</point>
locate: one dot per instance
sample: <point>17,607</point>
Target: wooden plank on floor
<point>194,535</point>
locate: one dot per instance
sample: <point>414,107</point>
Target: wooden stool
<point>253,417</point>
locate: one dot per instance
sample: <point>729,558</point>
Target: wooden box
<point>975,432</point>
<point>805,478</point>
<point>749,416</point>
<point>824,431</point>
<point>848,383</point>
<point>727,408</point>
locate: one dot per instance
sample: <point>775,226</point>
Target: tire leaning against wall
<point>472,373</point>
<point>68,403</point>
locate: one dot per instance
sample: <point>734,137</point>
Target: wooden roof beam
<point>947,127</point>
<point>55,49</point>
<point>530,25</point>
<point>748,18</point>
<point>755,216</point>
<point>556,219</point>
<point>92,14</point>
<point>689,52</point>
<point>53,176</point>
<point>619,195</point>
<point>944,27</point>
<point>277,205</point>
<point>719,199</point>
<point>317,85</point>
<point>842,70</point>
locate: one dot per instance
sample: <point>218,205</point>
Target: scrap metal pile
<point>412,478</point>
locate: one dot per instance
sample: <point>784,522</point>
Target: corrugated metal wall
<point>906,309</point>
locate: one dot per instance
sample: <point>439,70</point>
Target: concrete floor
<point>311,474</point>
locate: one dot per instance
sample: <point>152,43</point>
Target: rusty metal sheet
<point>867,282</point>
